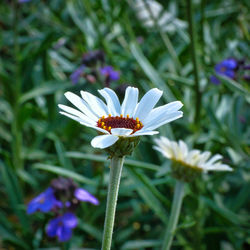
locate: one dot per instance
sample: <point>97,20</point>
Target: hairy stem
<point>114,182</point>
<point>174,215</point>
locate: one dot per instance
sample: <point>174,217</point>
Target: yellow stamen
<point>99,120</point>
<point>137,120</point>
<point>103,123</point>
<point>109,115</point>
<point>103,117</point>
<point>121,115</point>
<point>104,127</point>
<point>138,125</point>
<point>127,115</point>
<point>109,128</point>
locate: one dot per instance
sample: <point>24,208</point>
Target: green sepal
<point>124,146</point>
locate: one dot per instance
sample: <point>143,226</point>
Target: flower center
<point>42,200</point>
<point>119,122</point>
<point>223,69</point>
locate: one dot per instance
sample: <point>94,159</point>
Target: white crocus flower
<point>194,159</point>
<point>114,120</point>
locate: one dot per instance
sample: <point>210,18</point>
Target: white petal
<point>183,148</point>
<point>204,157</point>
<point>98,129</point>
<point>147,103</point>
<point>130,101</point>
<point>76,118</point>
<point>113,103</point>
<point>81,105</point>
<point>144,132</point>
<point>76,113</point>
<point>219,167</point>
<point>95,103</point>
<point>121,131</point>
<point>213,159</point>
<point>104,141</point>
<point>158,113</point>
<point>165,119</point>
<point>84,123</point>
<point>166,153</point>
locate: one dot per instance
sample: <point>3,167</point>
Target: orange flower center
<point>119,122</point>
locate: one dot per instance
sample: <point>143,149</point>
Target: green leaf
<point>14,194</point>
<point>64,172</point>
<point>233,85</point>
<point>224,212</point>
<point>140,244</point>
<point>151,73</point>
<point>147,193</point>
<point>98,158</point>
<point>91,230</point>
<point>46,89</point>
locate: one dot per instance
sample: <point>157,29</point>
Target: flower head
<point>188,162</point>
<point>110,73</point>
<point>116,121</point>
<point>44,202</point>
<point>61,226</point>
<point>226,68</point>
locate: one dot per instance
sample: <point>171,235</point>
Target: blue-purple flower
<point>226,68</point>
<point>61,226</point>
<point>63,197</point>
<point>44,202</point>
<point>110,73</point>
<point>76,75</point>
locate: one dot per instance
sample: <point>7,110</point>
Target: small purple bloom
<point>44,202</point>
<point>82,195</point>
<point>227,68</point>
<point>109,72</point>
<point>75,76</point>
<point>62,226</point>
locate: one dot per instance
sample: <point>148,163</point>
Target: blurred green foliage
<point>42,43</point>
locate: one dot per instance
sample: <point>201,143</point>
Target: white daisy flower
<point>193,159</point>
<point>114,120</point>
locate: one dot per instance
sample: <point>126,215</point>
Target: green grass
<point>38,144</point>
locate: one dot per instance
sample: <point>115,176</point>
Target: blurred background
<point>195,51</point>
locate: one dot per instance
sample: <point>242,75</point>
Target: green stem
<point>174,215</point>
<point>114,181</point>
<point>193,48</point>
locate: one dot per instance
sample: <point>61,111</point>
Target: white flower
<point>195,159</point>
<point>113,120</point>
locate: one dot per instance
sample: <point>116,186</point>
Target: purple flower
<point>62,226</point>
<point>226,68</point>
<point>82,195</point>
<point>110,73</point>
<point>75,76</point>
<point>44,202</point>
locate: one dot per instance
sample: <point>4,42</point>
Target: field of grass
<point>195,51</point>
